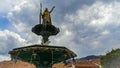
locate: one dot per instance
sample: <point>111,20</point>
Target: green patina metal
<point>42,55</point>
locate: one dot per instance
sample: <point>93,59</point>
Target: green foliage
<point>111,59</point>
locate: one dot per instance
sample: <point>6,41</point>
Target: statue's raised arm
<point>52,9</point>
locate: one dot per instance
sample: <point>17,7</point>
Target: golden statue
<point>45,28</point>
<point>46,16</point>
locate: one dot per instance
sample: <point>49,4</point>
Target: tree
<point>111,59</point>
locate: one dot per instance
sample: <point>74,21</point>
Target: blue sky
<point>88,27</point>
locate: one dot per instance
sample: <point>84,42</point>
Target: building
<point>80,64</point>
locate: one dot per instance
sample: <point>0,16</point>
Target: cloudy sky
<point>87,27</point>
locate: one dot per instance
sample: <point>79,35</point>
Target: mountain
<point>90,57</point>
<point>87,58</point>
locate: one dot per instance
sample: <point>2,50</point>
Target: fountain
<point>43,55</point>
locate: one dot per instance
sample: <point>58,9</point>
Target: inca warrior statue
<point>46,16</point>
<point>46,28</point>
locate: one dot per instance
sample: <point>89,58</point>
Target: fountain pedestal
<point>42,56</point>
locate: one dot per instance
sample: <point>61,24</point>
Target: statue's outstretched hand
<point>53,6</point>
<point>52,9</point>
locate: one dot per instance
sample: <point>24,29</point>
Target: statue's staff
<point>40,13</point>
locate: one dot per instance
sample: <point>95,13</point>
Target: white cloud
<point>9,40</point>
<point>99,14</point>
<point>106,32</point>
<point>95,44</point>
<point>6,5</point>
<point>23,17</point>
<point>3,58</point>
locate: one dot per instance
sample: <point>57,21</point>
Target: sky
<point>87,27</point>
